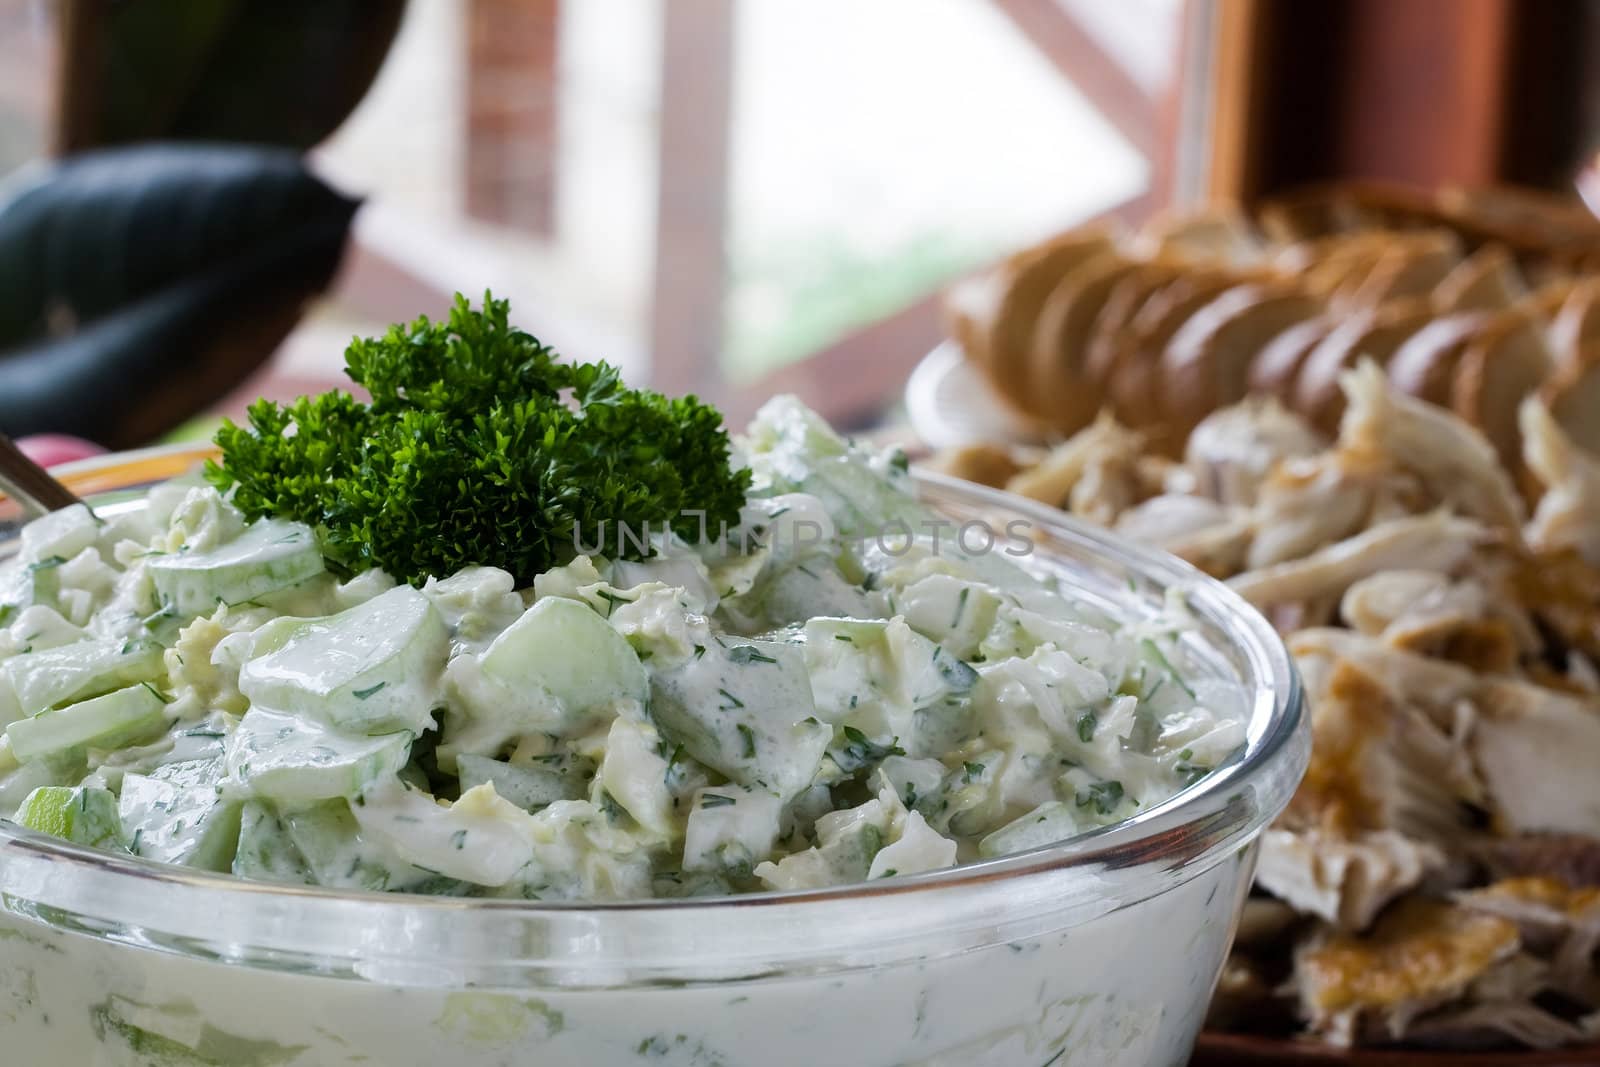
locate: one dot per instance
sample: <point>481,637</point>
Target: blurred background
<point>732,197</point>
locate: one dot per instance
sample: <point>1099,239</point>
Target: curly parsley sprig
<point>478,447</point>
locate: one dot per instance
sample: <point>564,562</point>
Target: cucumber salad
<point>837,688</point>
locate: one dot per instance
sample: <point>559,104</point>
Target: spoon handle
<point>30,484</point>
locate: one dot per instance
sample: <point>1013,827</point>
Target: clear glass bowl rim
<point>202,913</point>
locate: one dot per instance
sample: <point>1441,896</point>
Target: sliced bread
<point>1062,394</point>
<point>1025,282</point>
<point>1374,334</point>
<point>1487,280</point>
<point>1424,366</point>
<point>1207,363</point>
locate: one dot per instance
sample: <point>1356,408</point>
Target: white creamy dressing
<point>808,702</point>
<point>1128,988</point>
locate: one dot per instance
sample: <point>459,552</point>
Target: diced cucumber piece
<point>39,628</point>
<point>567,650</point>
<point>874,675</point>
<point>529,788</point>
<point>635,774</point>
<point>482,838</point>
<point>969,800</point>
<point>10,710</point>
<point>678,572</point>
<point>744,708</point>
<point>847,841</point>
<point>81,669</point>
<point>296,760</point>
<point>913,780</point>
<point>801,591</point>
<point>792,449</point>
<point>17,780</point>
<point>337,855</point>
<point>918,848</point>
<point>270,555</point>
<point>266,853</point>
<point>23,585</point>
<point>176,814</point>
<point>104,722</point>
<point>371,669</point>
<point>1045,825</point>
<point>956,613</point>
<point>61,534</point>
<point>730,828</point>
<point>84,815</point>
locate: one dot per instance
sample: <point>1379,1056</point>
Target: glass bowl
<point>1100,951</point>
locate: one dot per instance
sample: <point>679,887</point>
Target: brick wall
<point>512,131</point>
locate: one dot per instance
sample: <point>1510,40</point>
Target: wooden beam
<point>686,326</point>
<point>1424,89</point>
<point>1238,39</point>
<point>1424,93</point>
<point>80,47</point>
<point>1058,34</point>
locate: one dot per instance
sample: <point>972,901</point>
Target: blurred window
<point>27,63</point>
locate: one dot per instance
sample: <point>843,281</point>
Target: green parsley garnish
<point>715,800</point>
<point>746,654</point>
<point>478,447</point>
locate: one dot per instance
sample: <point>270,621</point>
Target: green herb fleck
<point>1086,726</point>
<point>362,694</point>
<point>961,607</point>
<point>1156,654</point>
<point>860,751</point>
<point>612,600</point>
<point>1105,796</point>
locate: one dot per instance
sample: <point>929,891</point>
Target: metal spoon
<point>30,484</point>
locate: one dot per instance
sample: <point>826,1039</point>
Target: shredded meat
<point>1453,459</point>
<point>1437,539</point>
<point>1568,515</point>
<point>1422,954</point>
